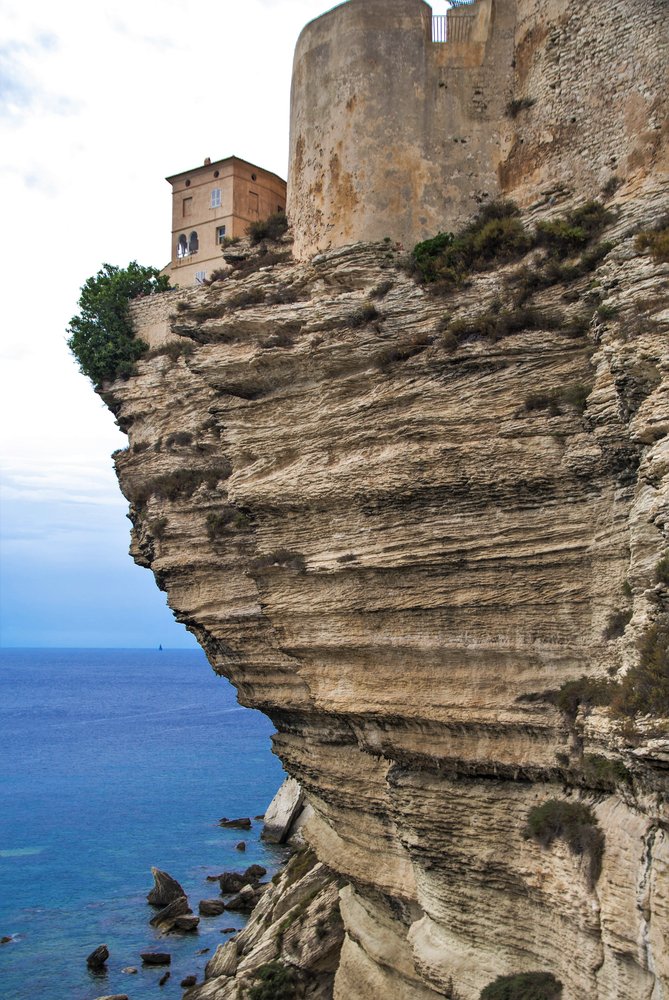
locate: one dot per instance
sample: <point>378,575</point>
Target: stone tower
<point>392,133</point>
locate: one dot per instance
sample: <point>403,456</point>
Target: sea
<point>111,762</point>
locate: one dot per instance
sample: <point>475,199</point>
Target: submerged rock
<point>187,923</point>
<point>130,970</point>
<point>97,958</point>
<point>156,958</point>
<point>6,939</point>
<point>211,907</point>
<point>166,917</point>
<point>235,824</point>
<point>165,890</point>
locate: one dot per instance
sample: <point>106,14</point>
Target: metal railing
<point>454,29</point>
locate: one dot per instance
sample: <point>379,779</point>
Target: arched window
<point>193,244</point>
<point>182,246</point>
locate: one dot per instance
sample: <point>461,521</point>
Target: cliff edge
<point>423,525</point>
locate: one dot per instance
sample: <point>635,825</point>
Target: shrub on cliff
<point>655,242</point>
<point>644,689</point>
<point>588,691</point>
<point>101,335</point>
<point>524,986</point>
<point>575,230</point>
<point>494,235</point>
<point>272,228</point>
<point>573,822</point>
<point>662,570</point>
<point>277,982</point>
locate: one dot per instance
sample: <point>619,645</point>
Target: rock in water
<point>163,979</point>
<point>241,846</point>
<point>235,824</point>
<point>188,982</point>
<point>130,970</point>
<point>245,900</point>
<point>255,872</point>
<point>166,917</point>
<point>6,940</point>
<point>116,996</point>
<point>282,812</point>
<point>232,882</point>
<point>156,958</point>
<point>97,958</point>
<point>165,890</point>
<point>188,923</point>
<point>211,907</point>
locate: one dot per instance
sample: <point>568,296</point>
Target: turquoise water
<point>112,761</point>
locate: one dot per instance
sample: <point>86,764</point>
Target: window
<point>220,234</point>
<point>182,246</point>
<point>200,277</point>
<point>193,243</point>
<point>216,198</point>
<point>280,208</point>
<point>253,203</point>
<point>187,207</point>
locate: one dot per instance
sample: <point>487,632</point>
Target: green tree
<point>101,335</point>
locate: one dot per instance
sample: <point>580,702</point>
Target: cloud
<point>162,43</point>
<point>64,483</point>
<point>20,92</point>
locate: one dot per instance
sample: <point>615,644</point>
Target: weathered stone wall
<point>391,134</point>
<point>598,73</point>
<point>394,135</point>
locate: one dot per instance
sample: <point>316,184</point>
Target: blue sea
<point>112,761</point>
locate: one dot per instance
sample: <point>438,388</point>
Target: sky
<point>100,100</point>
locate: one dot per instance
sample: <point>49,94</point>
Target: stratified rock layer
<point>397,556</point>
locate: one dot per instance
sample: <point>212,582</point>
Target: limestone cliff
<point>426,533</point>
<point>396,553</point>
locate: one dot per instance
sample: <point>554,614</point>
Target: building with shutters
<point>213,202</point>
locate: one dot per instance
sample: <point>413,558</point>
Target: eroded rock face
<point>397,554</point>
<point>295,925</point>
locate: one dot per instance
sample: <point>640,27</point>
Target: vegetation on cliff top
<point>524,986</point>
<point>271,228</point>
<point>101,335</point>
<point>496,235</point>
